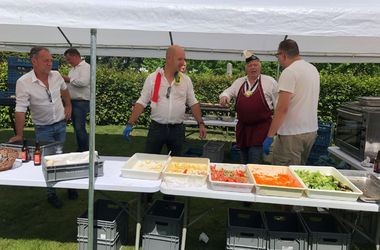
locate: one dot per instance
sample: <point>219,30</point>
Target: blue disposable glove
<point>127,131</point>
<point>266,144</point>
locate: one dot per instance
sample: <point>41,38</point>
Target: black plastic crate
<point>160,242</point>
<point>285,231</point>
<point>315,153</point>
<point>110,222</point>
<point>246,230</point>
<point>214,150</point>
<point>193,152</point>
<point>326,232</point>
<point>234,153</point>
<point>164,218</point>
<point>324,134</point>
<point>99,244</point>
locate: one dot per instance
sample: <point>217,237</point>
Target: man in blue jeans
<point>78,83</point>
<point>42,91</point>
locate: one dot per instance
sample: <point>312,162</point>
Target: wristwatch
<point>199,123</point>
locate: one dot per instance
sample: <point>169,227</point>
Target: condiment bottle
<point>37,155</point>
<point>376,164</point>
<point>25,152</point>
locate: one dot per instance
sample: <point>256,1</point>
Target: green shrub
<point>117,90</point>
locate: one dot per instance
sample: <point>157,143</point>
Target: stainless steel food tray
<point>369,185</point>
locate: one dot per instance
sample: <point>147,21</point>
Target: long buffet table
<point>30,175</point>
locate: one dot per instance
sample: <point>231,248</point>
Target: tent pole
<point>90,244</point>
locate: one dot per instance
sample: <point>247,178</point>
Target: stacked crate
<point>322,142</point>
<point>285,231</point>
<point>110,226</point>
<point>325,232</point>
<point>246,230</point>
<point>162,225</point>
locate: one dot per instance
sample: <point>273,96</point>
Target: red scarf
<point>157,84</point>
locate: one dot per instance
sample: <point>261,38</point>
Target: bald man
<point>169,91</point>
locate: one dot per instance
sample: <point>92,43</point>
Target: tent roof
<point>326,31</point>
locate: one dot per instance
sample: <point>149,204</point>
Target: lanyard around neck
<point>246,85</point>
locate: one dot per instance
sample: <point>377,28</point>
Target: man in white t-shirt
<point>295,119</point>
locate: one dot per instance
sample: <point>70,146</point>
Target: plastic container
<point>234,153</point>
<point>110,222</point>
<point>69,166</point>
<point>231,186</point>
<point>285,231</point>
<point>276,190</point>
<point>164,218</point>
<point>324,134</point>
<point>160,242</point>
<point>325,232</point>
<point>193,152</point>
<point>100,244</point>
<point>322,142</point>
<point>214,150</point>
<point>70,172</point>
<point>47,148</point>
<point>18,67</point>
<point>329,194</point>
<point>145,166</point>
<point>186,172</point>
<point>246,230</point>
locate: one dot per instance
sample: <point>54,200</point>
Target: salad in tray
<point>317,180</point>
<point>220,173</point>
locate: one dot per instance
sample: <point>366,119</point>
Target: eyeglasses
<point>49,94</point>
<point>168,92</point>
<point>277,54</point>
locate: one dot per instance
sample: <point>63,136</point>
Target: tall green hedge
<point>118,90</point>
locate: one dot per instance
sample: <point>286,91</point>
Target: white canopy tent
<point>326,31</point>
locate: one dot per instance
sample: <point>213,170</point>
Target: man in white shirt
<point>169,91</point>
<point>42,90</point>
<point>256,96</point>
<point>78,82</point>
<point>295,119</point>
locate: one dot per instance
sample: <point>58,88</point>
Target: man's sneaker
<point>72,194</point>
<point>54,201</point>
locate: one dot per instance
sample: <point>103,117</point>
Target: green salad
<point>316,180</point>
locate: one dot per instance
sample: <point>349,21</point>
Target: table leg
<point>138,223</point>
<point>185,219</point>
<point>377,233</point>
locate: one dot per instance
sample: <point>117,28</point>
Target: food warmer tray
<point>369,185</point>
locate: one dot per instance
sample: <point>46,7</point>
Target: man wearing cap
<point>256,96</point>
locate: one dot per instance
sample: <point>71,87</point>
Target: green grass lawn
<point>27,221</point>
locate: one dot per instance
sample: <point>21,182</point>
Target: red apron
<point>254,118</point>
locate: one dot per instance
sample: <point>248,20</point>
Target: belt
<point>166,125</point>
<point>78,100</point>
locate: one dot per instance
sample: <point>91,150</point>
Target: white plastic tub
<point>243,187</point>
<point>329,194</point>
<point>275,190</point>
<point>145,166</point>
<point>186,172</point>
